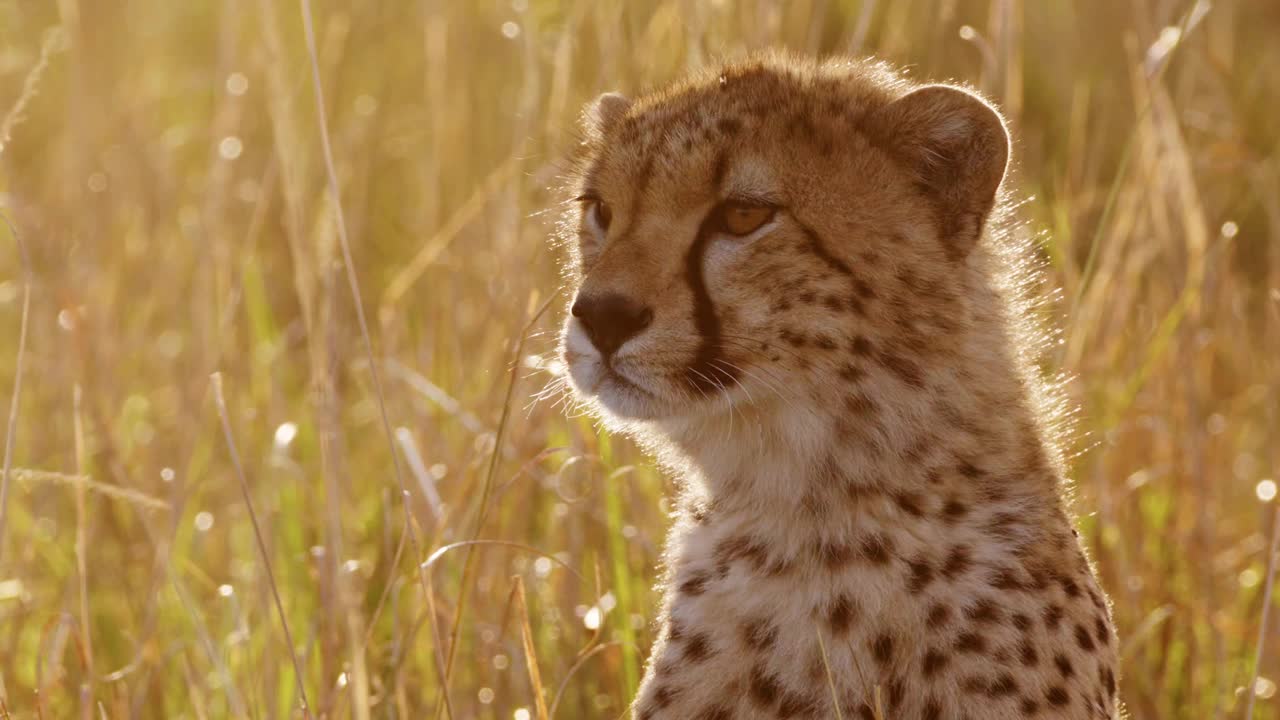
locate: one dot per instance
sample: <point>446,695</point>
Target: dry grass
<point>167,169</point>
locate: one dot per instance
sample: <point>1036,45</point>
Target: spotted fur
<point>866,454</point>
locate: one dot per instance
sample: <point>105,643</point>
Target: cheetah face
<point>664,325</point>
<point>757,239</point>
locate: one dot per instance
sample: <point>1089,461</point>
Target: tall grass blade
<point>223,416</point>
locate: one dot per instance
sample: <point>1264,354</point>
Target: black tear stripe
<point>706,373</point>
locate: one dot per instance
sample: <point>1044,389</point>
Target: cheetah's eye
<point>598,210</point>
<point>740,219</point>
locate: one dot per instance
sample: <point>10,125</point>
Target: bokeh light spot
<point>285,434</point>
<point>204,521</point>
<point>1249,578</point>
<point>1265,490</point>
<point>230,147</point>
<point>237,84</point>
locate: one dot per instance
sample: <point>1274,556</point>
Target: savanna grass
<point>224,187</point>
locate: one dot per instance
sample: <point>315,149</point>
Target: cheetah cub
<point>792,290</point>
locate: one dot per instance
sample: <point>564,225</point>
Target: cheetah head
<point>773,233</point>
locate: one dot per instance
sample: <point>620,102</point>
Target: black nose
<point>611,320</point>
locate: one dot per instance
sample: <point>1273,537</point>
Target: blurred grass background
<point>162,163</point>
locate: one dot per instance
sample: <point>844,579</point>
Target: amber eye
<point>600,212</point>
<point>744,219</point>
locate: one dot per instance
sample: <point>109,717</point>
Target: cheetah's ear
<point>603,113</point>
<point>957,146</point>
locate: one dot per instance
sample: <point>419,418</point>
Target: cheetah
<point>795,287</point>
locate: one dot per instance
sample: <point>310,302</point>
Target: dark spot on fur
<point>1069,586</point>
<point>908,371</point>
<point>896,693</point>
<point>1005,579</point>
<point>882,648</point>
<point>1064,665</point>
<point>984,611</point>
<point>921,575</point>
<point>764,688</point>
<point>1083,638</point>
<point>695,584</point>
<point>861,346</point>
<point>1100,627</point>
<point>1027,653</point>
<point>739,547</point>
<point>954,510</point>
<point>957,562</point>
<point>970,643</point>
<point>860,404</point>
<point>663,696</point>
<point>792,338</point>
<point>974,684</point>
<point>1002,686</point>
<point>863,290</point>
<point>877,548</point>
<point>834,555</point>
<point>1052,616</point>
<point>841,614</point>
<point>1004,524</point>
<point>1039,580</point>
<point>939,615</point>
<point>933,662</point>
<point>698,648</point>
<point>759,634</point>
<point>909,503</point>
<point>852,373</point>
<point>1057,696</point>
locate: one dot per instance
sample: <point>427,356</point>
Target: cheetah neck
<point>891,542</point>
<point>969,435</point>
